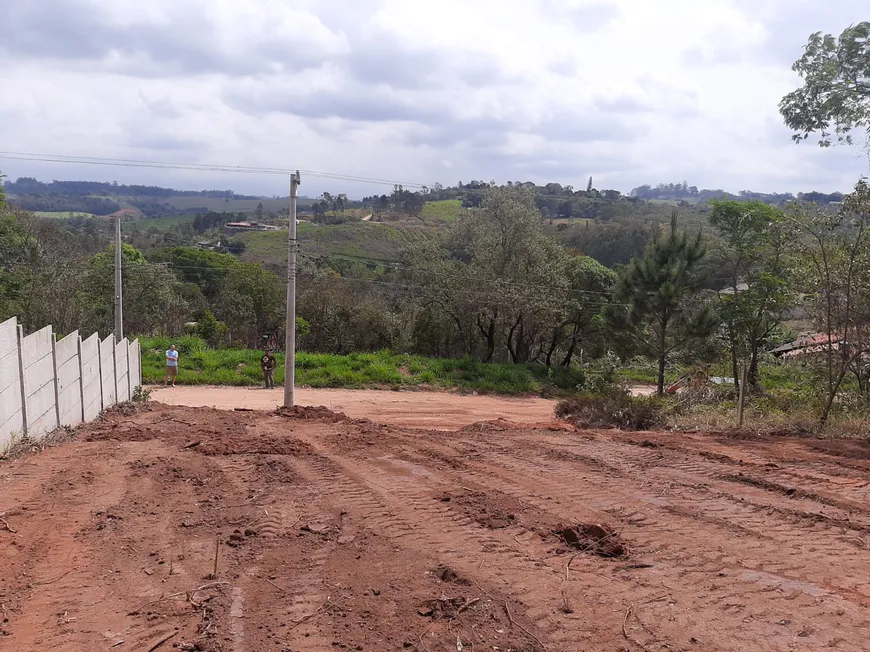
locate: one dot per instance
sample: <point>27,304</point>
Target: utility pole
<point>119,300</point>
<point>290,337</point>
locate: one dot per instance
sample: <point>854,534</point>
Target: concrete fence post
<point>100,371</point>
<point>81,377</point>
<point>115,367</point>
<point>21,374</point>
<point>56,383</point>
<point>130,385</point>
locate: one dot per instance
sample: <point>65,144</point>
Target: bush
<point>614,409</point>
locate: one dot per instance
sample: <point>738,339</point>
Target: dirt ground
<point>439,410</point>
<point>334,533</point>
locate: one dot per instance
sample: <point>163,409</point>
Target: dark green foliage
<point>657,311</point>
<point>613,243</point>
<point>751,258</point>
<point>835,97</point>
<point>95,205</point>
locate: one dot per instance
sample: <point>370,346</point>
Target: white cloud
<point>630,91</point>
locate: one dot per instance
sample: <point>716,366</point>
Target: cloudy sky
<point>629,91</point>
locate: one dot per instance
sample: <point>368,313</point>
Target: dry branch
<point>511,620</point>
<point>162,641</point>
<point>296,623</point>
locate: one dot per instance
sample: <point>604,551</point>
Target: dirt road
<point>335,534</point>
<point>440,410</point>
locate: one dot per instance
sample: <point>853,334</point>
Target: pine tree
<point>653,312</point>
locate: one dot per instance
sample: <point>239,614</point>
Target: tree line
<point>494,286</point>
<point>31,186</point>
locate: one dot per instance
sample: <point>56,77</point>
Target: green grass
<point>368,240</point>
<point>675,202</point>
<point>233,205</point>
<point>159,223</point>
<point>200,365</point>
<point>446,210</point>
<point>62,214</point>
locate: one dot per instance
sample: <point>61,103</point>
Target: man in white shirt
<point>171,366</point>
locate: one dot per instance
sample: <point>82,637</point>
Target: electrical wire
<point>201,167</point>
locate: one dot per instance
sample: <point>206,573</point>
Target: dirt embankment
<point>336,533</point>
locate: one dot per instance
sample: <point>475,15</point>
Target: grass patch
<point>200,365</point>
<point>446,210</point>
<point>62,214</point>
<point>159,223</point>
<point>197,203</point>
<point>364,240</point>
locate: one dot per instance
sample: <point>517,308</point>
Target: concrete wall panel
<point>122,370</point>
<point>11,413</point>
<point>135,363</point>
<point>39,382</point>
<point>92,403</point>
<point>69,386</point>
<point>107,370</point>
<point>46,383</point>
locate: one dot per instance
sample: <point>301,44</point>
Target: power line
<point>202,167</point>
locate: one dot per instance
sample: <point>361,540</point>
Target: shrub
<point>614,409</point>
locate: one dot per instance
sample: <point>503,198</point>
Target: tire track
<point>397,508</point>
<point>554,488</point>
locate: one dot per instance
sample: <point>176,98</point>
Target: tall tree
<point>835,97</point>
<point>499,277</point>
<point>751,254</point>
<point>834,265</point>
<point>655,309</point>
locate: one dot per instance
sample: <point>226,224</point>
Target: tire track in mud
<point>787,466</point>
<point>811,543</point>
<point>719,479</point>
<point>708,484</point>
<point>546,485</point>
<point>405,510</point>
<point>55,579</point>
<point>297,586</point>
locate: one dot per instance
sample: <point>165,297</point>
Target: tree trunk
<point>660,381</point>
<point>734,366</point>
<point>513,350</point>
<point>522,348</point>
<point>557,334</point>
<point>663,355</point>
<point>752,375</point>
<point>489,335</point>
<point>835,389</point>
<point>569,355</point>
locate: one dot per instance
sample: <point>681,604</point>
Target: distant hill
<point>102,199</point>
<point>684,192</point>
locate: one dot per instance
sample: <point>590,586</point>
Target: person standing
<point>171,366</point>
<point>268,363</point>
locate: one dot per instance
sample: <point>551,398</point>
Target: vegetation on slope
<point>200,365</point>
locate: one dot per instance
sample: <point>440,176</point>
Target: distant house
<point>741,287</point>
<point>809,345</point>
<point>237,227</point>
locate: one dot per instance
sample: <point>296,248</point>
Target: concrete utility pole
<point>119,300</point>
<point>290,338</point>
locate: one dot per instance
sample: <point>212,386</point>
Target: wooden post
<point>742,398</point>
